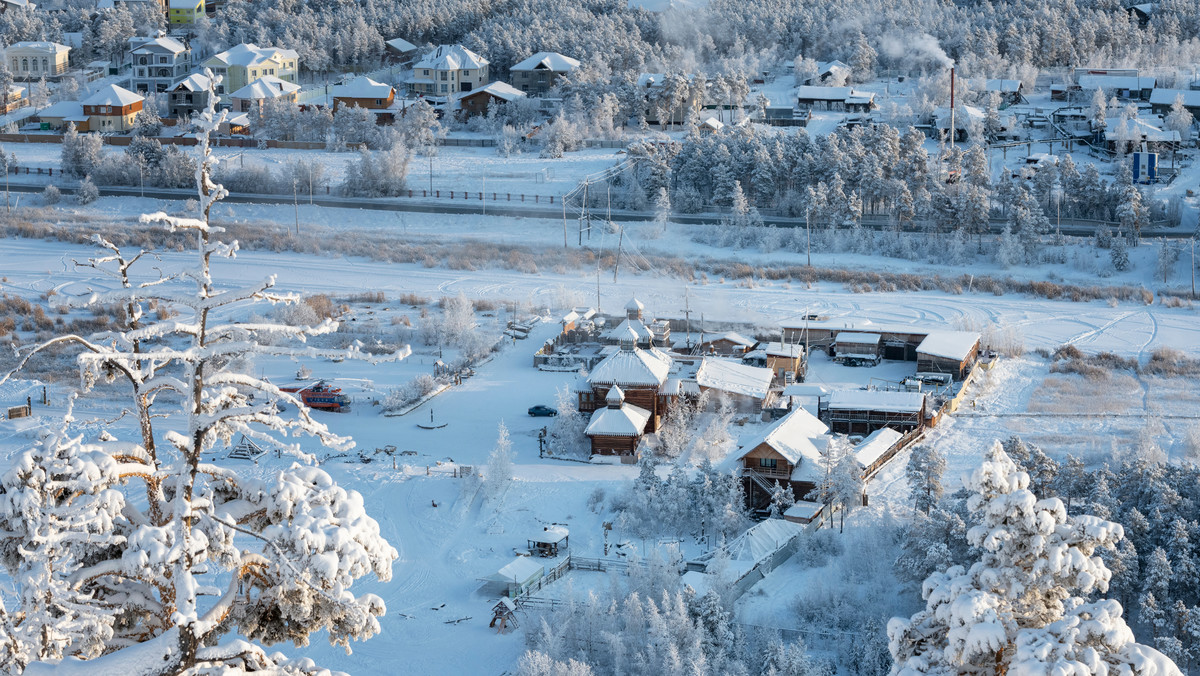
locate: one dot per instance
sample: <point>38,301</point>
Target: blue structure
<point>1145,167</point>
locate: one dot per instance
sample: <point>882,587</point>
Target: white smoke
<point>915,51</point>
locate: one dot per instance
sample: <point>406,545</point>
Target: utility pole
<point>296,205</point>
<point>808,233</point>
<point>617,263</point>
<point>1193,266</point>
<point>142,178</point>
<point>431,175</point>
<point>597,284</point>
<point>564,206</point>
<point>687,313</point>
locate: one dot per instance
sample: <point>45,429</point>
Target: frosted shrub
<point>51,195</point>
<point>410,392</point>
<point>87,192</point>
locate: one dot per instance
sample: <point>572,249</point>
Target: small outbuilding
<point>617,428</point>
<point>854,348</point>
<point>864,411</point>
<point>550,542</point>
<point>950,352</point>
<point>515,578</point>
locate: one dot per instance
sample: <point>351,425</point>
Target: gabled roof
<point>829,67</point>
<point>156,45</point>
<point>877,400</point>
<point>1166,97</point>
<point>636,367</point>
<point>634,305</point>
<point>734,377</point>
<point>112,95</point>
<point>265,87</point>
<point>249,54</point>
<point>552,61</point>
<point>627,421</point>
<point>1002,86</point>
<point>192,83</point>
<point>730,336</point>
<point>361,87</point>
<point>550,534</point>
<point>63,109</point>
<point>500,90</point>
<point>949,344</point>
<point>621,331</point>
<point>521,570</point>
<point>451,57</point>
<point>401,45</point>
<point>713,123</point>
<point>780,349</point>
<point>792,436</point>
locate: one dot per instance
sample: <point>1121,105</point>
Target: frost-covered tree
<point>1180,119</point>
<point>499,472</point>
<point>924,473</point>
<point>175,551</point>
<point>378,173</point>
<point>1023,607</point>
<point>1099,113</point>
<point>87,192</point>
<point>80,152</point>
<point>1119,254</point>
<point>566,430</point>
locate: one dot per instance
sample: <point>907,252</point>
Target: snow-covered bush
<point>87,192</point>
<point>51,195</point>
<point>410,392</point>
<point>80,152</point>
<point>380,173</point>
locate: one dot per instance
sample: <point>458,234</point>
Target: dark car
<point>540,411</point>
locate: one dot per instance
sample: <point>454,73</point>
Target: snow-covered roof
<point>1002,86</point>
<point>550,534</point>
<point>250,54</point>
<point>856,338</point>
<point>949,344</point>
<point>847,94</point>
<point>63,109</point>
<point>713,124</point>
<point>781,349</point>
<point>195,82</point>
<point>361,87</point>
<point>157,45</point>
<point>627,421</point>
<point>451,57</point>
<point>731,336</point>
<point>1166,97</point>
<point>1131,82</point>
<point>877,400</point>
<point>961,121</point>
<point>112,95</point>
<point>875,445</point>
<point>500,90</point>
<point>401,45</point>
<point>634,305</point>
<point>615,396</point>
<point>803,509</point>
<point>266,87</point>
<point>732,376</point>
<point>183,4</point>
<point>43,46</point>
<point>806,390</point>
<point>621,331</point>
<point>548,61</point>
<point>826,67</point>
<point>1138,129</point>
<point>762,540</point>
<point>791,436</point>
<point>521,570</point>
<point>699,582</point>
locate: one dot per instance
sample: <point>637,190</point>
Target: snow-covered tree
<point>179,552</point>
<point>924,473</point>
<point>1119,254</point>
<point>499,472</point>
<point>1023,607</point>
<point>1180,119</point>
<point>566,430</point>
<point>87,192</point>
<point>80,152</point>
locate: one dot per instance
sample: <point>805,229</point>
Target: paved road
<point>1074,227</point>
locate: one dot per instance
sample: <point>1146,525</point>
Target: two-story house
<point>111,109</point>
<point>447,70</point>
<point>35,60</point>
<point>540,72</point>
<point>184,12</point>
<point>14,99</point>
<point>157,63</point>
<point>245,63</point>
<point>252,97</point>
<point>188,96</point>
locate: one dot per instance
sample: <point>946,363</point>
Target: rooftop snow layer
<point>1094,82</point>
<point>550,534</point>
<point>876,444</point>
<point>156,45</point>
<point>44,46</point>
<point>811,92</point>
<point>548,61</point>
<point>250,54</point>
<point>266,87</point>
<point>1166,97</point>
<point>877,400</point>
<point>791,436</point>
<point>520,570</point>
<point>956,345</point>
<point>112,95</point>
<point>735,377</point>
<point>451,57</point>
<point>621,331</point>
<point>194,83</point>
<point>500,90</point>
<point>855,338</point>
<point>361,87</point>
<point>401,45</point>
<point>63,109</point>
<point>627,421</point>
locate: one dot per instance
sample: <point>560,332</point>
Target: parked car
<point>541,411</point>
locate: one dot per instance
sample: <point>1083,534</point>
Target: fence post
<point>509,196</point>
<point>439,193</point>
<point>535,199</point>
<point>522,197</point>
<point>552,199</point>
<point>451,194</point>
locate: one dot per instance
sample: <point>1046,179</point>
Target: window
<point>163,59</point>
<point>466,73</point>
<point>14,63</point>
<point>444,90</point>
<point>379,102</point>
<point>35,65</point>
<point>444,75</point>
<point>220,89</point>
<point>424,72</point>
<point>142,60</point>
<point>24,64</point>
<point>767,463</point>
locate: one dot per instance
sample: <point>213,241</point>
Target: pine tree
<point>1156,576</point>
<point>924,473</point>
<point>1021,607</point>
<point>1119,254</point>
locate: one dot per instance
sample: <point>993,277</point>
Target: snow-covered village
<point>647,337</point>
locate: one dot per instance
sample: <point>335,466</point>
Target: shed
<point>748,385</point>
<point>516,577</point>
<point>550,542</point>
<point>854,346</point>
<point>864,411</point>
<point>873,451</point>
<point>478,101</point>
<point>1161,100</point>
<point>950,352</point>
<point>617,428</point>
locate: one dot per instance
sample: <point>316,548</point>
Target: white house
<point>447,70</point>
<point>252,96</point>
<point>540,72</point>
<point>35,60</point>
<point>245,63</point>
<point>158,63</point>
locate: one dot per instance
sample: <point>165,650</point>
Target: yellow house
<point>245,63</point>
<point>184,12</point>
<point>33,60</point>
